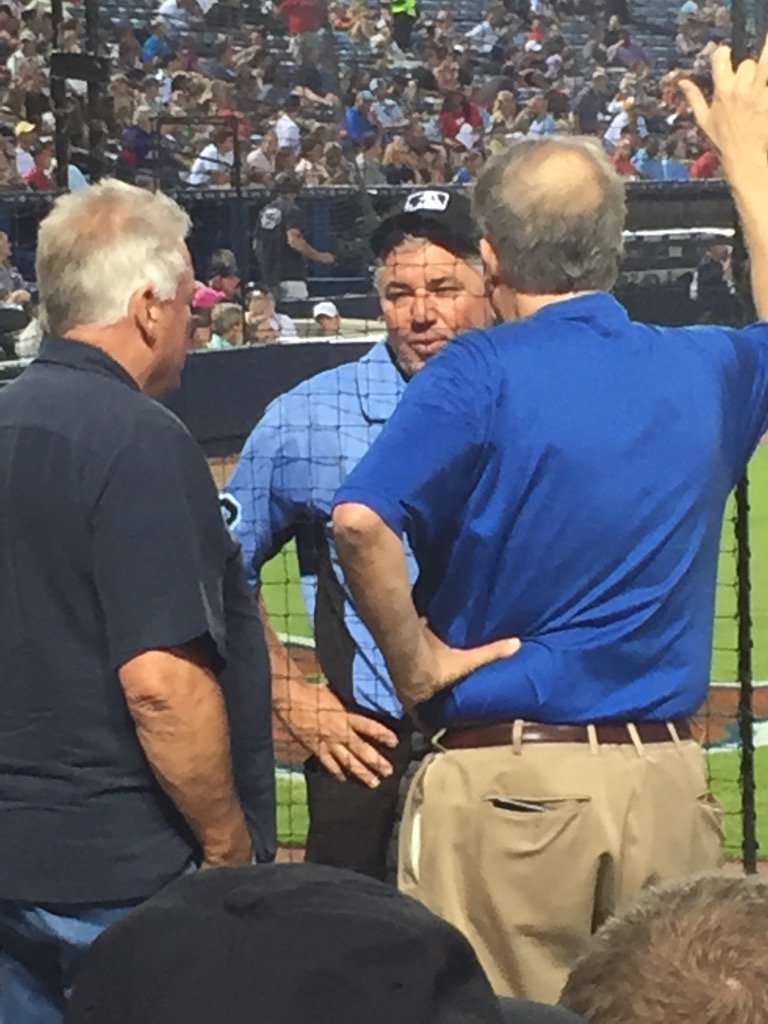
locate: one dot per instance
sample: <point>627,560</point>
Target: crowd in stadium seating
<point>371,97</point>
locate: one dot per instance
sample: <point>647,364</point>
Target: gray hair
<point>690,951</point>
<point>225,316</point>
<point>554,212</point>
<point>98,246</point>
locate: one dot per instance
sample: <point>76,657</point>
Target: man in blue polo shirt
<point>569,491</point>
<point>431,287</point>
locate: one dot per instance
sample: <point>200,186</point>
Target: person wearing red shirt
<point>458,110</point>
<point>622,158</point>
<point>39,178</point>
<point>708,164</point>
<point>301,15</point>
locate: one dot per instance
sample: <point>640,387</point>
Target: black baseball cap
<point>286,944</point>
<point>439,215</point>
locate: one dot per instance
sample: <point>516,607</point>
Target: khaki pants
<point>527,886</point>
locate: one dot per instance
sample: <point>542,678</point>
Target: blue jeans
<point>40,953</point>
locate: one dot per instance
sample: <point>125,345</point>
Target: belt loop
<point>672,730</point>
<point>435,741</point>
<point>594,742</point>
<point>634,735</point>
<point>517,736</point>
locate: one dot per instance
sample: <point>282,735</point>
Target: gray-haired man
<point>570,492</point>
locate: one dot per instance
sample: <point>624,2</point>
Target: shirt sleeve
<point>750,346</point>
<point>246,686</point>
<point>268,493</point>
<point>424,463</point>
<point>158,548</point>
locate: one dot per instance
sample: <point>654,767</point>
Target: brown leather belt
<point>499,734</point>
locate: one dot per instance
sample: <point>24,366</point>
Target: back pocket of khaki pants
<point>534,823</point>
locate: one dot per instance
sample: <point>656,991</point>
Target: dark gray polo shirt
<point>112,544</point>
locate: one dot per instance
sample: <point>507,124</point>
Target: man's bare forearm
<point>290,688</point>
<point>748,178</point>
<point>376,568</point>
<point>181,722</point>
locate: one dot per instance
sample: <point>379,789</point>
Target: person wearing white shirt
<point>177,14</point>
<point>287,130</point>
<point>623,119</point>
<point>264,324</point>
<point>483,37</point>
<point>215,162</point>
<point>26,137</point>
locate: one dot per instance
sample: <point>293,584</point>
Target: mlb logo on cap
<point>432,201</point>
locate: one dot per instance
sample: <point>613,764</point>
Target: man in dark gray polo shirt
<point>134,688</point>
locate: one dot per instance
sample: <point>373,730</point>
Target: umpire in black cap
<point>431,288</point>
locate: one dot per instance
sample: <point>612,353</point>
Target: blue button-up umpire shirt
<point>292,464</point>
<point>563,479</point>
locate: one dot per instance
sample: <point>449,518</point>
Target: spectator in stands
<point>310,169</point>
<point>386,112</point>
<point>213,166</point>
<point>327,318</point>
<point>287,129</point>
<point>484,37</point>
<point>200,330</point>
<point>178,15</point>
<point>628,53</point>
<point>26,138</point>
<point>39,178</point>
<point>226,326</point>
<point>303,18</point>
<point>504,112</point>
<point>404,15</point>
<point>9,171</point>
<point>707,164</point>
<point>308,81</point>
<point>457,111</point>
<point>157,44</point>
<point>622,156</point>
<point>224,274</point>
<point>712,288</point>
<point>10,278</point>
<point>368,162</point>
<point>542,123</point>
<point>150,96</point>
<point>260,162</point>
<point>24,56</point>
<point>263,323</point>
<point>340,171</point>
<point>470,166</point>
<point>137,144</point>
<point>589,105</point>
<point>627,117</point>
<point>655,162</point>
<point>693,951</point>
<point>357,120</point>
<point>281,242</point>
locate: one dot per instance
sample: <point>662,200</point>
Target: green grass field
<point>283,594</point>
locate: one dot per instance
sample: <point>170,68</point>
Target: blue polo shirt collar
<point>380,384</point>
<point>593,308</point>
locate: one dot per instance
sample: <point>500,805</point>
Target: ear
<point>144,311</point>
<point>490,261</point>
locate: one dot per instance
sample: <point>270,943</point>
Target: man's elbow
<point>355,525</point>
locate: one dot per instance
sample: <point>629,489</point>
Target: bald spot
<point>562,177</point>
